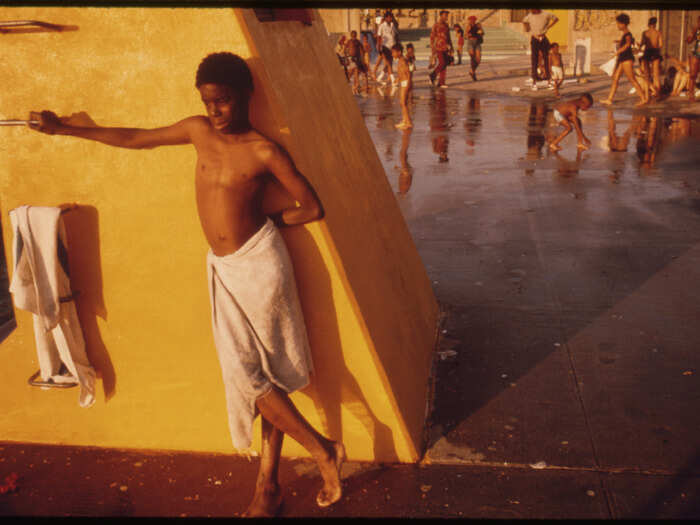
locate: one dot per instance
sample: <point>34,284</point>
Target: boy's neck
<point>238,128</point>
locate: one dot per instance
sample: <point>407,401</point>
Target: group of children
<point>681,74</point>
<point>354,55</point>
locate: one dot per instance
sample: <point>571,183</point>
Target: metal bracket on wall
<point>50,383</point>
<point>32,26</point>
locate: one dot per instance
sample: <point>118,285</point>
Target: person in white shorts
<point>406,83</point>
<point>556,67</point>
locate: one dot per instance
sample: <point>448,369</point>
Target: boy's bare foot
<point>266,503</point>
<point>641,103</point>
<point>400,125</point>
<point>332,489</point>
<point>581,145</point>
<point>554,147</point>
<point>606,101</point>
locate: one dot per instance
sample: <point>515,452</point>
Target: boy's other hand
<point>48,122</point>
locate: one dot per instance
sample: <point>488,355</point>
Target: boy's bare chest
<point>217,169</point>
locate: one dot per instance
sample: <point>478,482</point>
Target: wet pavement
<point>566,380</point>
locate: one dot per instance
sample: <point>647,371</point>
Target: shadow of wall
<point>83,232</point>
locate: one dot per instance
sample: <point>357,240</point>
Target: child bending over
<point>566,114</point>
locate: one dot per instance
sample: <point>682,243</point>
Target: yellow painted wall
<point>137,251</point>
<point>560,31</point>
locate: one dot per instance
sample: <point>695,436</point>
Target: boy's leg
<point>442,68</point>
<point>406,117</point>
<point>472,62</point>
<point>629,73</point>
<point>534,58</point>
<point>613,87</point>
<point>545,58</point>
<point>554,145</point>
<point>278,409</point>
<point>693,73</point>
<point>268,496</point>
<point>656,73</point>
<point>409,93</point>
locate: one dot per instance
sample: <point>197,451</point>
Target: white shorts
<point>557,116</point>
<point>557,73</point>
<point>404,83</point>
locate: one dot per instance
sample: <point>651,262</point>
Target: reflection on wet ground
<point>459,135</point>
<point>530,253</point>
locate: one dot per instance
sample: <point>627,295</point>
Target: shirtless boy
<point>566,114</point>
<point>556,66</point>
<point>411,57</point>
<point>356,64</point>
<point>234,165</point>
<point>406,83</point>
<point>652,41</point>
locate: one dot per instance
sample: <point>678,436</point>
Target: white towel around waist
<point>258,326</point>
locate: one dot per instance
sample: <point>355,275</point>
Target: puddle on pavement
<point>463,139</point>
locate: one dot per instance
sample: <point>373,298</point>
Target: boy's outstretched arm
<point>280,165</point>
<point>134,138</point>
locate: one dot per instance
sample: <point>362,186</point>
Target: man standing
<point>537,22</point>
<point>441,45</point>
<point>386,38</point>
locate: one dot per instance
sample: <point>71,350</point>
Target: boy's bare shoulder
<point>264,147</point>
<point>197,122</point>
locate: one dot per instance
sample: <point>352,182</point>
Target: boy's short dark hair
<point>444,11</point>
<point>227,69</point>
<point>397,47</point>
<point>554,44</point>
<point>588,97</point>
<point>409,45</point>
<point>623,18</point>
<point>652,21</point>
<point>353,33</point>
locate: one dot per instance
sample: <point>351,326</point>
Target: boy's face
<point>585,104</point>
<point>224,106</point>
<point>555,49</point>
<point>395,53</point>
<point>620,26</point>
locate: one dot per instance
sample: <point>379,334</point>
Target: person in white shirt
<point>387,34</point>
<point>537,22</point>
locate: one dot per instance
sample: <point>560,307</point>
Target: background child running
<point>356,65</point>
<point>566,115</point>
